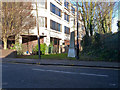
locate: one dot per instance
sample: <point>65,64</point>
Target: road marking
<point>89,74</point>
<point>112,84</point>
<point>94,74</point>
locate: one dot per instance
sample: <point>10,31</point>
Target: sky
<point>114,25</point>
<point>115,20</point>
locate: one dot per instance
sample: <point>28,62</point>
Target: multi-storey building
<point>57,18</point>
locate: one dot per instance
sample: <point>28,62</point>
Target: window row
<point>55,26</point>
<point>55,9</point>
<point>66,30</point>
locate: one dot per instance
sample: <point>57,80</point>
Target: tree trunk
<point>103,26</point>
<point>5,43</point>
<point>91,28</point>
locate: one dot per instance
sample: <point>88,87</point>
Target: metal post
<point>38,36</point>
<point>77,57</point>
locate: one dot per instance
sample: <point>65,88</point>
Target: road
<point>43,76</point>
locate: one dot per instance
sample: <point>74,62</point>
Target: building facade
<point>56,18</point>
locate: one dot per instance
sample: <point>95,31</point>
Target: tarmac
<point>99,64</point>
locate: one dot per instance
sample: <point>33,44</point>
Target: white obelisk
<point>71,51</point>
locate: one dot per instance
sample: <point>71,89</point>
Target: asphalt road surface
<point>43,76</point>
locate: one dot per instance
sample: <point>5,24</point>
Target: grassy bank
<point>63,56</point>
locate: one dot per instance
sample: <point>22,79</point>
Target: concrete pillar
<point>63,34</point>
<point>47,41</point>
<point>47,38</point>
<point>18,43</point>
<point>48,18</point>
<point>18,39</point>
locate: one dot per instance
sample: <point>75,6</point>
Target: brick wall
<point>31,44</point>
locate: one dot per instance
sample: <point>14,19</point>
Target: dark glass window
<point>59,0</point>
<point>59,13</point>
<point>55,26</point>
<point>82,27</point>
<point>74,21</point>
<point>55,41</point>
<point>59,27</point>
<point>55,9</point>
<point>66,30</point>
<point>73,9</point>
<point>66,17</point>
<point>66,4</point>
<point>78,24</point>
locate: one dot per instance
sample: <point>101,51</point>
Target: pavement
<point>99,64</point>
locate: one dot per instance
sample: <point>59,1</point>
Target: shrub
<point>86,41</point>
<point>18,48</point>
<point>50,48</point>
<point>96,40</point>
<point>43,48</point>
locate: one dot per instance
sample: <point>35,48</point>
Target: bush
<point>18,48</point>
<point>43,48</point>
<point>50,48</point>
<point>96,40</point>
<point>105,47</point>
<point>86,41</point>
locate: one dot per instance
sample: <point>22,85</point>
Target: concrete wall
<point>8,53</point>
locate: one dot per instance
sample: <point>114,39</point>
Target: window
<point>66,17</point>
<point>52,8</point>
<point>55,9</point>
<point>42,4</point>
<point>55,41</point>
<point>66,4</point>
<point>59,0</point>
<point>78,24</point>
<point>82,27</point>
<point>59,27</point>
<point>73,9</point>
<point>74,21</point>
<point>55,26</point>
<point>66,30</point>
<point>42,21</point>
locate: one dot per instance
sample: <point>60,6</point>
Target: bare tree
<point>16,19</point>
<point>87,10</point>
<point>104,15</point>
<point>97,16</point>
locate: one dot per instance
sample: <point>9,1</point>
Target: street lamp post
<point>77,57</point>
<point>38,36</point>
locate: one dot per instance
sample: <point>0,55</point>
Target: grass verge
<point>62,56</point>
